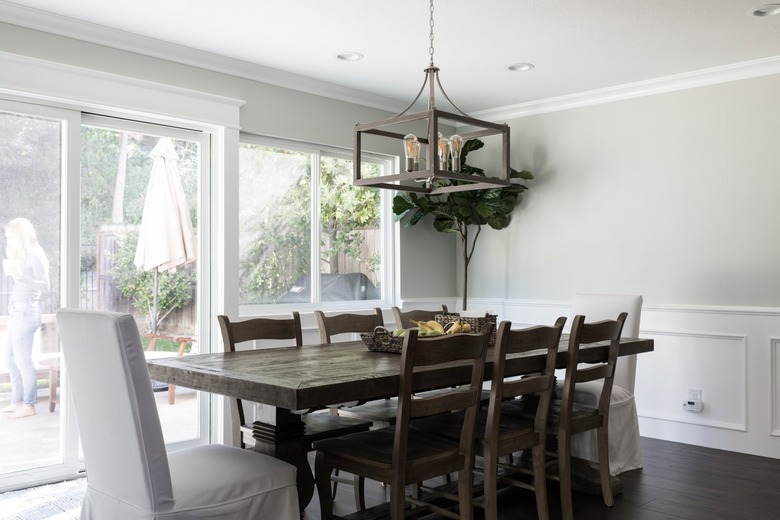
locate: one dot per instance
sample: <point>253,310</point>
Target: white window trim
<point>387,227</point>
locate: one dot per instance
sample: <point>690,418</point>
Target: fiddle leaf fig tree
<point>461,211</point>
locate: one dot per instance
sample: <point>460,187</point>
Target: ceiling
<point>576,46</point>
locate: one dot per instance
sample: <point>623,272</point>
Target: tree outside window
<point>276,236</point>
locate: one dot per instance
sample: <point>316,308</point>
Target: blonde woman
<point>26,264</point>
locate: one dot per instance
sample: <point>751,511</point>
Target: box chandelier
<point>442,172</point>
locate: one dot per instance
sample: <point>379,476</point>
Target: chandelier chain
<point>430,49</point>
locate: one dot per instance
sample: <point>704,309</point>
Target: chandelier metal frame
<point>425,181</point>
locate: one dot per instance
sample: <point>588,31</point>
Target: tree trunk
<point>464,242</point>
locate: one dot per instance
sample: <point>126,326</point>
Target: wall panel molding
<point>774,378</point>
<point>695,360</point>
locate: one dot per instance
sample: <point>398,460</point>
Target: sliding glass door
<point>139,231</point>
<point>80,200</point>
<point>34,143</point>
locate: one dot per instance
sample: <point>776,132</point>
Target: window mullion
<point>316,231</point>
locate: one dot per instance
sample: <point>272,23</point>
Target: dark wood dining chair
<point>497,436</point>
<point>567,417</point>
<point>399,455</point>
<point>316,425</point>
<point>574,418</point>
<point>404,319</point>
<point>381,412</point>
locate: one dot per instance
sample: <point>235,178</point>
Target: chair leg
<point>490,478</point>
<point>397,501</point>
<point>466,494</point>
<point>358,485</point>
<point>335,482</point>
<point>606,484</point>
<point>540,482</point>
<point>322,475</point>
<point>564,476</point>
<point>360,493</point>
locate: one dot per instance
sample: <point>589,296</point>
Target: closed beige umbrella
<point>166,239</point>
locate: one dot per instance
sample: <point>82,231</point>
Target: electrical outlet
<point>694,394</point>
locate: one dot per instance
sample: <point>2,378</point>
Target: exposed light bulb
<point>444,147</point>
<point>456,145</point>
<point>412,150</point>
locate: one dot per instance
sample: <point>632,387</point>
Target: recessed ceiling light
<point>520,67</point>
<point>349,56</point>
<point>767,10</point>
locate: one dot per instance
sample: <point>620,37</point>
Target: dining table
<point>284,381</point>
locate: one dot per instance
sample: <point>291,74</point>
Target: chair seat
<point>381,412</point>
<point>448,426</point>
<point>526,409</point>
<point>323,425</point>
<point>589,393</point>
<point>429,455</point>
<point>256,480</point>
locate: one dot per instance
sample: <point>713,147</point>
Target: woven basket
<point>477,324</point>
<point>382,340</point>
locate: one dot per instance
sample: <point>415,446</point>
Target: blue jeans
<point>25,319</point>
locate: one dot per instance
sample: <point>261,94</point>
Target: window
<point>299,214</point>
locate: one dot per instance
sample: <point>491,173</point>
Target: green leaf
<point>443,225</point>
<point>401,204</point>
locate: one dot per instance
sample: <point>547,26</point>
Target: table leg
<point>279,433</point>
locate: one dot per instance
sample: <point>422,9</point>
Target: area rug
<point>61,501</point>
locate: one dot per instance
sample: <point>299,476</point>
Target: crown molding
<point>688,80</point>
<point>93,33</point>
<point>79,30</point>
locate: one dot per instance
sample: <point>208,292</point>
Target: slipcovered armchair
<point>129,473</point>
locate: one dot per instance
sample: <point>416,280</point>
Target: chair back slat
<point>527,385</point>
<point>404,319</point>
<point>234,332</point>
<point>594,373</point>
<point>329,326</point>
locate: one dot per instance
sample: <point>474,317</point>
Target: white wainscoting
<point>775,378</point>
<point>731,353</point>
<point>689,360</point>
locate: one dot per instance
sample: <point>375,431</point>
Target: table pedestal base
<point>282,437</point>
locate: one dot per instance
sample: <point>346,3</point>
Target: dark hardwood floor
<point>678,482</point>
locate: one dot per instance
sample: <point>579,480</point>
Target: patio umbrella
<point>166,239</point>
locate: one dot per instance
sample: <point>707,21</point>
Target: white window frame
<point>59,86</point>
<point>386,225</point>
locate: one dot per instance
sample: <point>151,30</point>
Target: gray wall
<point>672,196</point>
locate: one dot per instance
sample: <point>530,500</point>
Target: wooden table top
<point>313,376</point>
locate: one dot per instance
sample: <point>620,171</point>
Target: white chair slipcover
<point>129,473</point>
<point>625,449</point>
